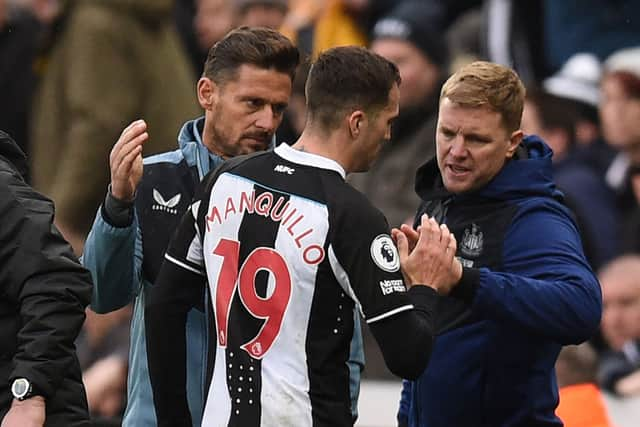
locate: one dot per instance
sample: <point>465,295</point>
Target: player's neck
<point>329,146</point>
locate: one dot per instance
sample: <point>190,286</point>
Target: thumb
<point>403,245</point>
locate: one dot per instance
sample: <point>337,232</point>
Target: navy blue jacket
<point>526,291</point>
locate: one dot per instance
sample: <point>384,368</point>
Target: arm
<point>113,255</point>
<point>113,251</point>
<point>373,262</point>
<point>50,289</point>
<point>407,355</point>
<point>547,286</point>
<point>178,288</point>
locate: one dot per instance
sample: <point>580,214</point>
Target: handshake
<point>427,255</point>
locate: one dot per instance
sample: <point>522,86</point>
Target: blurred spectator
<point>597,26</point>
<point>619,370</point>
<point>317,25</point>
<point>554,119</point>
<point>581,402</point>
<point>295,116</point>
<point>20,33</point>
<point>200,24</point>
<point>103,348</point>
<point>113,62</point>
<point>620,116</point>
<point>537,37</point>
<point>579,82</point>
<point>261,13</point>
<point>213,20</point>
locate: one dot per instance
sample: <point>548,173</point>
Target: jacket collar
<point>10,151</point>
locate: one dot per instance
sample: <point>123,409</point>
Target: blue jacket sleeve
<point>113,255</point>
<point>405,402</point>
<point>547,285</point>
<point>356,364</point>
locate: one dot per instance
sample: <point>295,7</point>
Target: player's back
<point>282,316</point>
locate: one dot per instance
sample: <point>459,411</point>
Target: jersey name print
<point>288,258</point>
<point>285,231</point>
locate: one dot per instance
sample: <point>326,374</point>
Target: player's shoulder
<point>353,208</point>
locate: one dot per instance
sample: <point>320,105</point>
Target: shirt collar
<point>309,159</point>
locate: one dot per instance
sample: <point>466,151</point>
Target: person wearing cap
<point>620,115</point>
<point>555,119</point>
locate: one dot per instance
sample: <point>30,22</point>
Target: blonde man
<point>525,289</point>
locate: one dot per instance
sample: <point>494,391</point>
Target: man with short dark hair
<point>526,288</point>
<point>289,250</point>
<point>421,56</point>
<point>244,90</point>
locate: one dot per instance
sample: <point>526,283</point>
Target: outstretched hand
<point>125,161</point>
<point>427,256</point>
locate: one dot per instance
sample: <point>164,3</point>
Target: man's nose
<point>268,119</point>
<point>458,147</point>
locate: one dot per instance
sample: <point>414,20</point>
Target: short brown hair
<point>348,78</point>
<point>488,84</point>
<point>262,47</point>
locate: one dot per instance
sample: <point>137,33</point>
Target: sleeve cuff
<point>423,298</point>
<point>117,213</point>
<point>467,286</point>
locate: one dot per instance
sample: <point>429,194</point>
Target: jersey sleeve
<point>185,250</point>
<point>180,286</point>
<point>365,261</point>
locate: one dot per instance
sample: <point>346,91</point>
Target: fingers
<point>402,243</point>
<point>132,136</point>
<point>129,159</point>
<point>411,235</point>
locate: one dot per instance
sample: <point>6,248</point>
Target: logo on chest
<point>165,205</point>
<point>472,241</point>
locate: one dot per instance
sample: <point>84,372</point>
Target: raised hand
<point>125,161</point>
<point>432,260</point>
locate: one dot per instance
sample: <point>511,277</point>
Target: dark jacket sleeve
<point>547,286</point>
<point>41,277</point>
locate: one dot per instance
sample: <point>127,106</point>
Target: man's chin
<point>250,145</point>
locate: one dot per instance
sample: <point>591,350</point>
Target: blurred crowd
<point>74,73</point>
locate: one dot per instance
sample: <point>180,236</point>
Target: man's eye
<point>279,109</point>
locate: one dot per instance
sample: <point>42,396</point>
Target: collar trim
<point>308,159</point>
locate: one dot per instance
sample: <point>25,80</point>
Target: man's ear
<point>514,141</point>
<point>356,122</point>
<point>208,92</point>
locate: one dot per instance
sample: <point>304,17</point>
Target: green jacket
<point>113,62</point>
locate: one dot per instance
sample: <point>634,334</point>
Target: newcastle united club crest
<point>471,244</point>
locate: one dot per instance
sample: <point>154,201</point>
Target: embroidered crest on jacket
<point>472,241</point>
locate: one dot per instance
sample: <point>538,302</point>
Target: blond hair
<point>488,84</point>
